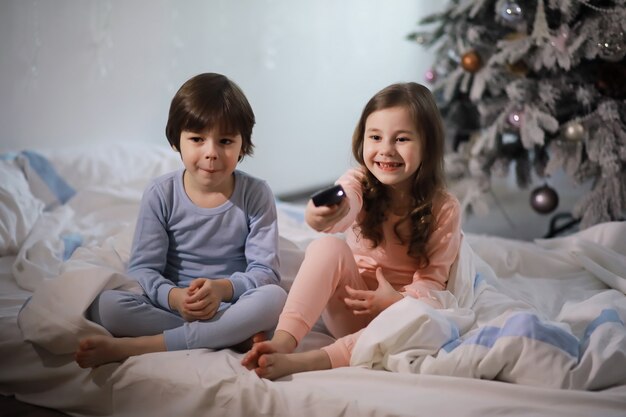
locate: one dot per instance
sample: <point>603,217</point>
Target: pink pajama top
<point>400,269</point>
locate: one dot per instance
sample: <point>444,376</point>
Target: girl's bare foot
<point>97,350</point>
<point>282,342</point>
<point>276,365</point>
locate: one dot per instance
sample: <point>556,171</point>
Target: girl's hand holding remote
<point>322,218</point>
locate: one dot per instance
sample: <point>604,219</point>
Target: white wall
<point>81,72</point>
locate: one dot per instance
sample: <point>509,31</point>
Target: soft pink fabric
<point>330,264</point>
<point>319,288</point>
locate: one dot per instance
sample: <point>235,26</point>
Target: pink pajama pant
<point>319,289</point>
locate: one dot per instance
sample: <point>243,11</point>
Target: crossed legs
<point>138,327</point>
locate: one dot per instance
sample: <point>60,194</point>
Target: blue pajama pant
<point>126,314</point>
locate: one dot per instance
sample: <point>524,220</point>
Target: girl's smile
<point>392,147</point>
<point>388,166</point>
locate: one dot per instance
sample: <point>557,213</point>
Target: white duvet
<point>561,325</point>
<point>548,314</point>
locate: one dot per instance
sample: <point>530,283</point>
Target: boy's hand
<point>176,298</point>
<point>372,302</point>
<point>201,300</point>
<point>322,218</point>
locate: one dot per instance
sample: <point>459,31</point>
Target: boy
<point>205,249</point>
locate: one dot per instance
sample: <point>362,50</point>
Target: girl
<point>206,241</point>
<point>402,235</point>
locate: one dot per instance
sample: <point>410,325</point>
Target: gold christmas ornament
<point>471,62</point>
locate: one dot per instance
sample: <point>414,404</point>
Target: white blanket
<point>553,316</point>
<point>68,253</point>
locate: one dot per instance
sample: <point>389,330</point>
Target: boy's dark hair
<point>209,101</point>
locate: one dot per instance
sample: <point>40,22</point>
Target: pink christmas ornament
<point>430,76</point>
<point>515,118</point>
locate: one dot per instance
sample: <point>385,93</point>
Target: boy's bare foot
<point>98,350</point>
<point>276,365</point>
<point>282,342</point>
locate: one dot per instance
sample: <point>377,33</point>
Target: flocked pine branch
<point>539,83</point>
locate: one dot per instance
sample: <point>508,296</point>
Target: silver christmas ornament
<point>544,199</point>
<point>511,11</point>
<point>574,131</point>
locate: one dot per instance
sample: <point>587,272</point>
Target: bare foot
<point>98,350</point>
<point>276,365</point>
<point>282,342</point>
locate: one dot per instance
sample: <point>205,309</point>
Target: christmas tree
<point>539,85</point>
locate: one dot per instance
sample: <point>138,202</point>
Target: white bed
<point>63,241</point>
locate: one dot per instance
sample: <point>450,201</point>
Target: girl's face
<point>392,148</point>
<point>210,158</point>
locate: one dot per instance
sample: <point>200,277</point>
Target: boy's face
<point>210,159</point>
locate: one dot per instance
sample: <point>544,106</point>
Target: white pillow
<point>19,208</point>
<point>113,164</point>
<point>44,182</point>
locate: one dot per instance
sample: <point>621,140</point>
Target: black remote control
<point>328,196</point>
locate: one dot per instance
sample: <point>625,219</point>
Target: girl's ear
<point>174,148</point>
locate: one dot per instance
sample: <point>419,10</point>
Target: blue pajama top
<point>176,241</point>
